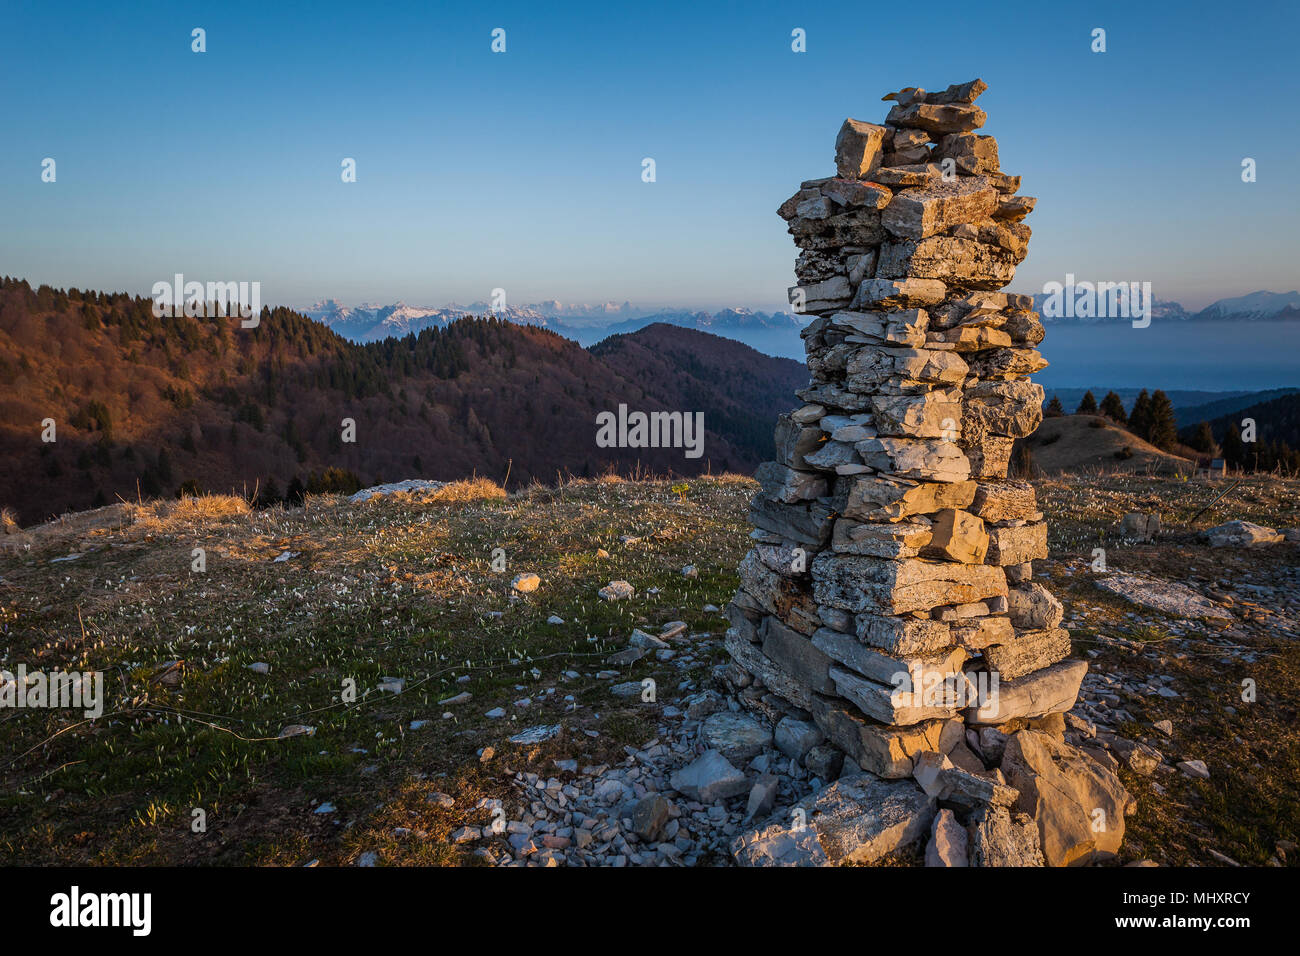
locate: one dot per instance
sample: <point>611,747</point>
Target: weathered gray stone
<point>860,584</point>
<point>795,654</point>
<point>857,819</point>
<point>795,738</point>
<point>1051,690</point>
<point>947,845</point>
<point>762,797</point>
<point>858,149</point>
<point>1169,597</point>
<point>926,210</point>
<point>1033,606</point>
<point>1242,534</point>
<point>649,817</point>
<point>900,539</point>
<point>737,736</point>
<point>938,117</point>
<point>1000,838</point>
<point>898,293</point>
<point>710,777</point>
<point>1029,651</point>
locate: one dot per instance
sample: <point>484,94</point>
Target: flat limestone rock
<point>876,499</point>
<point>889,705</point>
<point>989,455</point>
<point>924,211</point>
<point>901,539</point>
<point>887,751</point>
<point>1005,501</point>
<point>903,327</point>
<point>975,634</point>
<point>914,174</point>
<point>781,483</point>
<point>794,440</point>
<point>1029,651</point>
<point>1017,544</point>
<point>1033,606</point>
<point>1012,409</point>
<point>795,654</point>
<point>850,192</point>
<point>870,368</point>
<point>1048,691</point>
<point>871,663</point>
<point>899,293</point>
<point>927,459</point>
<point>709,778</point>
<point>949,259</point>
<point>904,636</point>
<point>833,293</point>
<point>859,584</point>
<point>1242,534</point>
<point>1169,597</point>
<point>807,524</point>
<point>737,736</point>
<point>938,117</point>
<point>967,92</point>
<point>857,819</point>
<point>777,594</point>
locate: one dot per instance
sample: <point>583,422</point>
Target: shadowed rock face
<point>904,614</point>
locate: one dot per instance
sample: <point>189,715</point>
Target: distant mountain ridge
<point>1261,306</point>
<point>585,324</point>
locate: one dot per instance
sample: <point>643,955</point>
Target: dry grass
<point>163,513</point>
<point>468,489</point>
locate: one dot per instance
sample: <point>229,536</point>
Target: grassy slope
<point>1090,442</point>
<point>397,588</point>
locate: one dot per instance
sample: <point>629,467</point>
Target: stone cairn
<point>887,604</point>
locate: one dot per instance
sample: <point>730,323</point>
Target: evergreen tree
<point>1113,408</point>
<point>1088,406</point>
<point>1162,430</point>
<point>1234,449</point>
<point>1054,408</point>
<point>1202,439</point>
<point>1139,420</point>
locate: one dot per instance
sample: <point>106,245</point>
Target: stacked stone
<point>891,552</point>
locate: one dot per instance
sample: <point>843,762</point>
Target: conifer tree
<point>1162,429</point>
<point>1139,420</point>
<point>1112,406</point>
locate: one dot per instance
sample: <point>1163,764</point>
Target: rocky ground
<point>506,713</point>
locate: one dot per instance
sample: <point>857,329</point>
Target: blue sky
<point>522,170</point>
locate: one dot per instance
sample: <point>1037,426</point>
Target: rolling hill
<point>1093,442</point>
